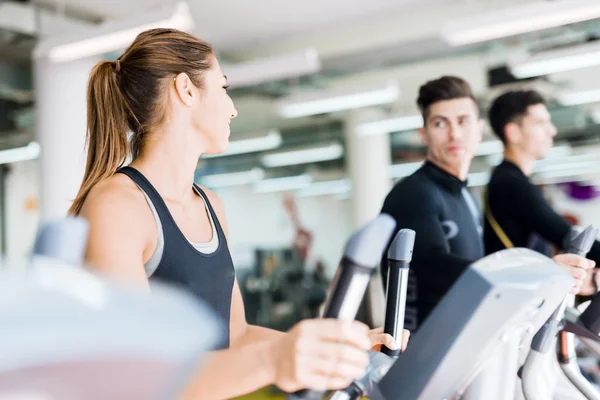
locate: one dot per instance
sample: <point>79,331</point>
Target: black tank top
<point>210,277</point>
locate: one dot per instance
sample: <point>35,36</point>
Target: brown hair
<point>444,88</point>
<point>127,97</point>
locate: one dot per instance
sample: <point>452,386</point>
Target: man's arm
<point>526,203</point>
<point>417,209</point>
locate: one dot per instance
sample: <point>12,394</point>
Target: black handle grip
<point>399,257</point>
<point>581,244</point>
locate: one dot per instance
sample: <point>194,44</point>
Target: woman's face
<point>214,110</point>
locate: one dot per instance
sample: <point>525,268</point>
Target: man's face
<point>452,130</point>
<point>533,133</point>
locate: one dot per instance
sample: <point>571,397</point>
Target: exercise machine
<point>70,335</point>
<point>398,259</point>
<point>533,386</point>
<point>498,302</point>
<point>73,335</point>
<point>362,253</point>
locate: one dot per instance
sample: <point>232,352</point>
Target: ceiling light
<point>396,124</point>
<point>114,35</point>
<point>270,141</point>
<point>284,66</point>
<point>520,19</point>
<point>339,100</point>
<point>404,169</point>
<point>489,147</point>
<point>283,184</point>
<point>567,59</point>
<point>570,172</point>
<point>335,187</point>
<point>578,97</point>
<point>577,165</point>
<point>29,152</point>
<point>304,155</point>
<point>595,115</point>
<point>554,153</point>
<point>550,164</point>
<point>233,178</point>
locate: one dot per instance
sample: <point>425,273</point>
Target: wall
<point>254,219</point>
<point>259,219</point>
<point>586,211</point>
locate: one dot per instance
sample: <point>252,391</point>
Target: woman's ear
<point>184,88</point>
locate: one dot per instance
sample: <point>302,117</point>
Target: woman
<point>149,219</point>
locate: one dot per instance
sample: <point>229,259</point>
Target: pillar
<point>368,164</point>
<point>60,129</point>
<point>368,160</point>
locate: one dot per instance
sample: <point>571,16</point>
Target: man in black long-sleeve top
<point>517,214</point>
<point>435,203</point>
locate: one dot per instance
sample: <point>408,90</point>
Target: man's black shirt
<point>445,217</point>
<point>521,211</point>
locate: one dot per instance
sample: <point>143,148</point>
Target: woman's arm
<point>243,333</point>
<point>316,353</point>
<point>231,373</point>
<point>117,240</point>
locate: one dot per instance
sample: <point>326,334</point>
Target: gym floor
<point>268,393</point>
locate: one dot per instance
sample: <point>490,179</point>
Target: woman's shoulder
<point>217,205</point>
<point>212,197</point>
<point>117,197</point>
<point>121,228</point>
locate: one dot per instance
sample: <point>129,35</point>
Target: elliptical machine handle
<point>361,255</point>
<point>399,258</point>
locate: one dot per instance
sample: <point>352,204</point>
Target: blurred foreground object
<point>70,335</point>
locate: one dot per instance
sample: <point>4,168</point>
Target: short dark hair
<point>510,107</point>
<point>444,88</point>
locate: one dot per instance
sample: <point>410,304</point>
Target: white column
<point>368,161</point>
<point>368,164</point>
<point>61,128</point>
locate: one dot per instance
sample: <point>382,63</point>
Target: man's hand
<point>378,339</point>
<point>590,283</point>
<point>578,267</point>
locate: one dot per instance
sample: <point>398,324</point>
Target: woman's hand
<point>325,354</point>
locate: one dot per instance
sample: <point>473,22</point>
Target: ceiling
<point>232,24</point>
<point>359,43</point>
